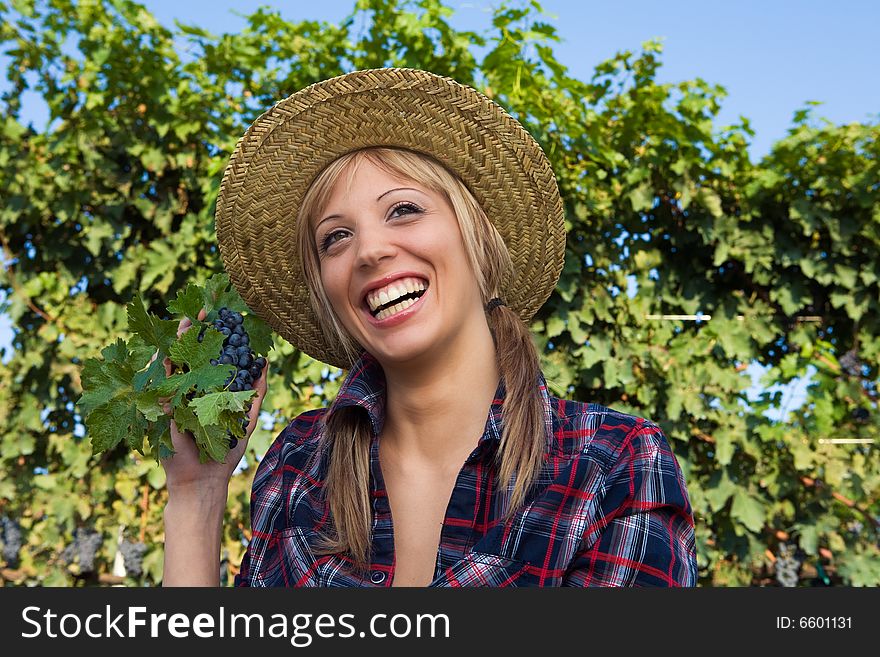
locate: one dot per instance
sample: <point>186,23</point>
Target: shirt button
<point>377,577</point>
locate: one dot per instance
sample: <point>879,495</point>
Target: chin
<point>403,352</point>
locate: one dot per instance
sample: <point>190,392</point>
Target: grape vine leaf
<point>208,407</point>
<point>159,333</point>
<point>107,379</point>
<point>212,440</point>
<point>115,421</point>
<point>197,356</point>
<point>159,438</point>
<point>189,302</point>
<point>219,294</point>
<point>189,351</point>
<point>748,510</point>
<point>148,404</point>
<point>259,333</point>
<point>153,374</point>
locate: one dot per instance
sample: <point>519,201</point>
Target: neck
<point>436,409</point>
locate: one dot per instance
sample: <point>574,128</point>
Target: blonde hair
<point>347,433</point>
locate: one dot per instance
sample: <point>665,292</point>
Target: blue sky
<point>771,56</point>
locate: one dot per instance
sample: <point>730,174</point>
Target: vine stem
<point>809,481</point>
<point>145,499</point>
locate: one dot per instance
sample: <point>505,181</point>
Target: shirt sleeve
<point>643,532</point>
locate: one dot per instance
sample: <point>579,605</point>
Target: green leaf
<point>710,200</point>
<point>219,294</point>
<point>723,448</point>
<point>153,374</point>
<point>152,330</point>
<point>808,538</point>
<point>642,197</point>
<point>107,379</point>
<point>748,510</point>
<point>188,302</point>
<point>114,422</point>
<point>718,494</point>
<point>208,407</point>
<point>206,377</point>
<point>555,325</point>
<point>259,334</point>
<point>212,440</point>
<point>187,350</point>
<point>148,404</point>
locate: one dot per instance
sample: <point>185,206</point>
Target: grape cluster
<point>133,557</point>
<point>850,363</point>
<point>85,546</point>
<point>788,566</point>
<point>12,541</point>
<point>236,351</point>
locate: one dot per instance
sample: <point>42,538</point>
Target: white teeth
<point>396,308</point>
<point>394,290</point>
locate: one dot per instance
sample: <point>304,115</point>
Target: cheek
<point>335,285</point>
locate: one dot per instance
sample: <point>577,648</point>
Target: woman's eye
<point>405,208</point>
<point>399,210</point>
<point>329,239</point>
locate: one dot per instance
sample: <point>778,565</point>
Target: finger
<point>202,314</point>
<point>184,324</point>
<point>261,386</point>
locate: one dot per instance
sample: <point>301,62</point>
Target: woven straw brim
<point>284,150</point>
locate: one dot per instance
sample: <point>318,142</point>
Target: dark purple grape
<point>214,361</point>
<point>238,329</point>
<point>132,557</point>
<point>226,359</point>
<point>234,386</point>
<point>260,361</point>
<point>88,542</point>
<point>226,331</point>
<point>245,340</point>
<point>254,371</point>
<point>233,441</point>
<point>12,541</point>
<point>235,340</point>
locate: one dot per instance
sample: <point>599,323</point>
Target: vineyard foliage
<point>666,213</point>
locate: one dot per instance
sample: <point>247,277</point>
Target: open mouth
<point>396,297</point>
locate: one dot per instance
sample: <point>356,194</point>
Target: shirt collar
<point>365,386</point>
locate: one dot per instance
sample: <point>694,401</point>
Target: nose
<point>373,244</point>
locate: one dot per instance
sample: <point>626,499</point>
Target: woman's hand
<point>183,470</point>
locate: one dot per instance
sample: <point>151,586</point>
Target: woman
<point>403,227</point>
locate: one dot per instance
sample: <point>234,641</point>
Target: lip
<point>382,282</point>
<point>400,317</point>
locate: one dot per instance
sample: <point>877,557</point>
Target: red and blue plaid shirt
<point>610,507</point>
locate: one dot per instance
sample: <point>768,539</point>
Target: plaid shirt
<point>610,507</point>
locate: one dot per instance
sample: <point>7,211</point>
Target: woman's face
<point>394,267</point>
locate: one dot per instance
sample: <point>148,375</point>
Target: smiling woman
<point>427,230</point>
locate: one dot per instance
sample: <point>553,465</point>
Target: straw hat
<point>285,149</point>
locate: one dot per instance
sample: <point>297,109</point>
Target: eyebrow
<point>378,198</point>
